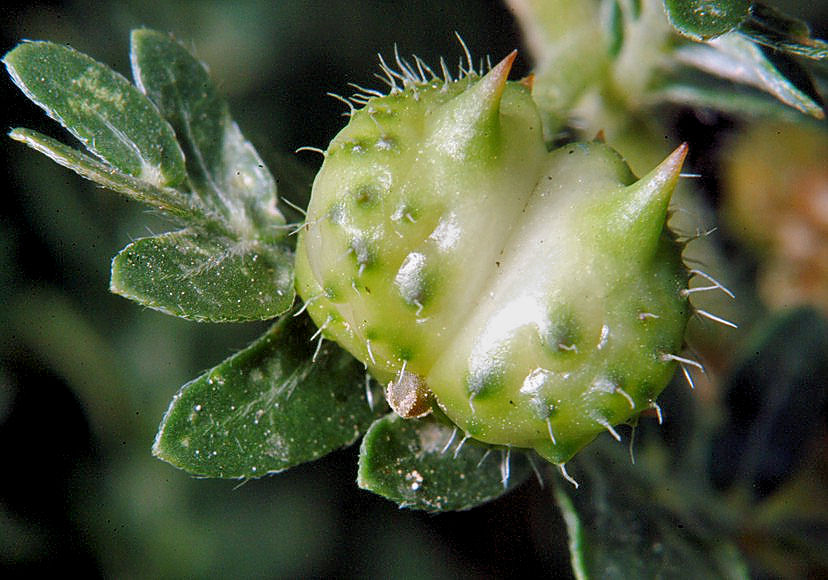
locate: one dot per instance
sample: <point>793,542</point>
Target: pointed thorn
<point>549,429</point>
<point>460,445</point>
<point>466,52</point>
<point>506,467</point>
<point>369,393</point>
<point>657,408</point>
<point>606,425</point>
<point>318,348</point>
<point>566,475</point>
<point>676,158</point>
<point>671,167</point>
<point>534,466</point>
<point>687,376</point>
<point>450,441</point>
<point>715,318</point>
<point>501,69</point>
<point>626,395</point>
<point>666,357</point>
<point>712,280</point>
<point>311,149</point>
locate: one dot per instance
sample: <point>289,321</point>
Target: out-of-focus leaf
<point>101,108</point>
<point>267,408</point>
<point>618,528</point>
<point>205,277</point>
<point>770,27</point>
<point>422,464</point>
<point>163,198</point>
<point>737,59</point>
<point>571,51</point>
<point>615,28</point>
<point>734,100</point>
<point>224,168</point>
<point>776,396</point>
<point>705,19</point>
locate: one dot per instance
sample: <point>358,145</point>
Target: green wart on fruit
<point>536,298</point>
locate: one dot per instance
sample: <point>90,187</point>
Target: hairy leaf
<point>166,199</point>
<point>619,529</point>
<point>423,464</point>
<point>101,108</point>
<point>224,168</point>
<point>205,277</point>
<point>705,19</point>
<point>267,408</point>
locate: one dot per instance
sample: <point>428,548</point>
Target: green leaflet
<point>618,530</point>
<point>705,19</point>
<point>101,108</point>
<point>224,168</point>
<point>266,408</point>
<point>205,277</point>
<point>424,464</point>
<point>166,199</point>
<point>719,95</point>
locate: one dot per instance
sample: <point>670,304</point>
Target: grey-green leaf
<point>166,199</point>
<point>267,408</point>
<point>618,529</point>
<point>101,108</point>
<point>705,19</point>
<point>737,59</point>
<point>206,277</point>
<point>732,99</point>
<point>224,168</point>
<point>424,464</point>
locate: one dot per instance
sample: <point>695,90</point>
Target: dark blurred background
<point>85,376</point>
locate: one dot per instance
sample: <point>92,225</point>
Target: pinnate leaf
<point>267,408</point>
<point>423,464</point>
<point>101,108</point>
<point>205,277</point>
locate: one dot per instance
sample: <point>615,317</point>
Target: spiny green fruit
<point>537,298</point>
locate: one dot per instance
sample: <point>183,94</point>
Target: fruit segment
<point>569,337</point>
